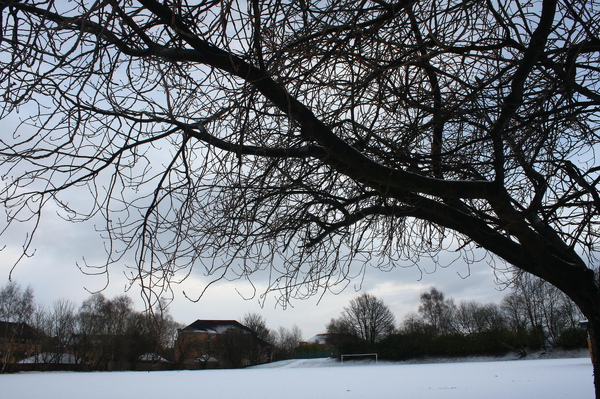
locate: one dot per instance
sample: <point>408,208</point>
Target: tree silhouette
<point>438,312</point>
<point>367,318</point>
<point>303,138</point>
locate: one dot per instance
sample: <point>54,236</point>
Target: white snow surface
<point>321,378</point>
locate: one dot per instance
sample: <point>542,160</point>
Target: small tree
<point>60,324</point>
<point>238,348</point>
<point>110,330</point>
<point>17,307</point>
<point>16,303</point>
<point>259,345</point>
<point>536,306</point>
<point>164,327</point>
<point>471,317</point>
<point>258,324</point>
<point>339,326</point>
<point>287,340</point>
<point>437,311</point>
<point>413,323</point>
<point>367,318</point>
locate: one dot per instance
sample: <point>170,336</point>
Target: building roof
<point>319,339</point>
<point>216,326</point>
<point>18,330</point>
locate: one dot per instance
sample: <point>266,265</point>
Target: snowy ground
<point>321,378</point>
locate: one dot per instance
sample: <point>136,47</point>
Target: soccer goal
<point>359,356</point>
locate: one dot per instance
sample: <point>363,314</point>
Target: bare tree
<point>17,307</point>
<point>105,326</point>
<point>472,317</point>
<point>16,303</point>
<point>237,348</point>
<point>164,327</point>
<point>287,340</point>
<point>438,312</point>
<point>536,305</point>
<point>61,322</point>
<point>367,318</point>
<point>258,324</point>
<point>339,326</point>
<point>259,348</point>
<point>304,137</point>
<point>413,323</point>
<point>339,332</point>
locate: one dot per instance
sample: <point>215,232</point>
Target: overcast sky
<point>61,245</point>
<point>53,274</point>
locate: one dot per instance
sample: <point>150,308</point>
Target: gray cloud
<point>53,274</point>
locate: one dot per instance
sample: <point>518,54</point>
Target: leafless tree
<point>413,323</point>
<point>471,317</point>
<point>17,304</point>
<point>163,326</point>
<point>287,340</point>
<point>104,328</point>
<point>536,305</point>
<point>339,326</point>
<point>438,312</point>
<point>259,348</point>
<point>339,332</point>
<point>258,324</point>
<point>17,307</point>
<point>304,138</point>
<point>60,325</point>
<point>366,317</point>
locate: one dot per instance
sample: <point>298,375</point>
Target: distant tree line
<point>101,332</point>
<point>534,315</point>
<point>106,334</point>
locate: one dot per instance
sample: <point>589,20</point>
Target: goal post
<point>359,355</point>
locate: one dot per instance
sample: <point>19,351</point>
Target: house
<point>18,341</point>
<point>219,344</point>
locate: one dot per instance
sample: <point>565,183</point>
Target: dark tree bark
<point>303,138</point>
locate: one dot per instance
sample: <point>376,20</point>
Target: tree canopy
<point>301,137</point>
<point>366,317</point>
<point>437,311</point>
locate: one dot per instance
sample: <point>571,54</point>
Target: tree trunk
<point>588,300</point>
<point>580,283</point>
<point>594,331</point>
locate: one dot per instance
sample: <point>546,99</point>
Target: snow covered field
<point>321,378</point>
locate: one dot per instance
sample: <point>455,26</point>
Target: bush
<point>450,345</point>
<point>487,343</point>
<point>404,346</point>
<point>494,342</point>
<point>354,347</point>
<point>573,338</point>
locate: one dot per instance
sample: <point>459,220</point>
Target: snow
<point>50,357</point>
<point>152,357</point>
<point>322,378</point>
